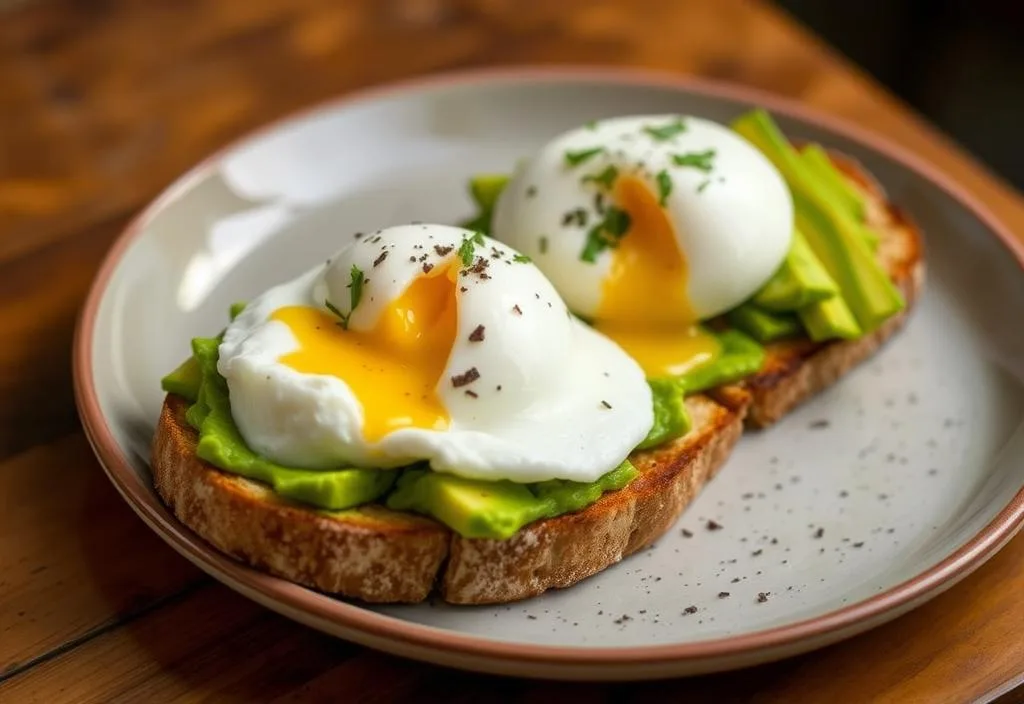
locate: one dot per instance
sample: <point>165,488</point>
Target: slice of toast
<point>378,555</point>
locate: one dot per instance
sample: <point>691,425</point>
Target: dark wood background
<point>103,103</point>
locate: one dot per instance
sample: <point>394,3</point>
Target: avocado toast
<point>382,555</point>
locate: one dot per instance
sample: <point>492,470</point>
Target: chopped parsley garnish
<point>665,132</point>
<point>521,259</point>
<point>592,125</point>
<point>355,293</point>
<point>664,186</point>
<point>355,287</point>
<point>696,160</point>
<point>334,309</point>
<point>575,158</point>
<point>606,233</point>
<point>606,178</point>
<point>467,248</point>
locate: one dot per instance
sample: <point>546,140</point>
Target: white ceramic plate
<point>865,502</point>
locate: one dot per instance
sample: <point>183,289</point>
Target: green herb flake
<point>575,158</point>
<point>355,287</point>
<point>697,160</point>
<point>592,125</point>
<point>343,319</point>
<point>664,187</point>
<point>605,234</point>
<point>521,259</point>
<point>542,244</point>
<point>703,184</point>
<point>605,179</point>
<point>616,222</point>
<point>468,247</point>
<point>466,252</point>
<point>665,132</point>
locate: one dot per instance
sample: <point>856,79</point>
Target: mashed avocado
<point>222,445</point>
<point>497,510</point>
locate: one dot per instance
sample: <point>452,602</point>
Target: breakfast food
<point>436,408</point>
<point>428,343</point>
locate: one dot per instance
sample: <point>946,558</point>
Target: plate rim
<point>907,594</point>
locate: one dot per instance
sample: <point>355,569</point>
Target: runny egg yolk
<point>393,369</point>
<point>644,305</point>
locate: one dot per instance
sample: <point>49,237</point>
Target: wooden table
<point>102,104</point>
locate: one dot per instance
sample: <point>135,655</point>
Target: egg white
<point>733,223</point>
<point>571,404</point>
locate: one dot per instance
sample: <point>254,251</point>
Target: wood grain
<point>104,103</point>
<point>221,645</point>
<point>75,559</point>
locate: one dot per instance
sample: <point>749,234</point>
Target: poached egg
<point>647,225</point>
<point>431,343</point>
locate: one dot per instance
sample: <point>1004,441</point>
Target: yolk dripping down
<point>393,369</point>
<point>644,306</point>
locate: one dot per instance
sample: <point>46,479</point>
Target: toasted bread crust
<point>373,554</point>
<point>561,551</point>
<point>379,555</point>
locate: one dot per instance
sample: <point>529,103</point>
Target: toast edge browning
<point>562,551</point>
<point>384,556</point>
<point>376,555</point>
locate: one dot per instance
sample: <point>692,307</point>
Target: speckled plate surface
<point>867,501</point>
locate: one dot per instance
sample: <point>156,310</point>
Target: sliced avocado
<point>472,508</point>
<point>840,189</point>
<point>834,235</point>
<point>741,356</point>
<point>762,325</point>
<point>221,444</point>
<point>184,381</point>
<point>671,419</point>
<point>485,189</point>
<point>829,319</point>
<point>870,237</point>
<point>800,281</point>
<point>480,222</point>
<point>820,165</point>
